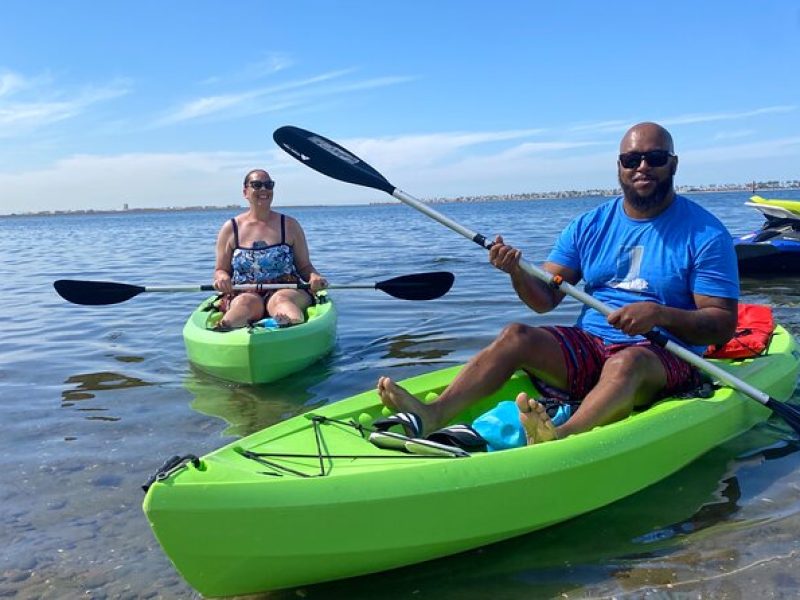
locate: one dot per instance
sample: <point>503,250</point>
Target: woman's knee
<point>252,304</point>
<point>287,300</point>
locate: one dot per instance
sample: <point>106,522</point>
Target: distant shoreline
<point>760,187</point>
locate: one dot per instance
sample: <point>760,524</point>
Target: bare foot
<point>223,325</point>
<point>537,424</point>
<point>399,400</point>
<point>284,320</point>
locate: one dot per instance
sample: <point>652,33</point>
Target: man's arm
<point>537,294</point>
<point>713,322</point>
<point>531,290</point>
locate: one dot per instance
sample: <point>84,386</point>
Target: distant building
<point>125,206</point>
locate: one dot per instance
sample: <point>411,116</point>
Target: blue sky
<point>169,102</point>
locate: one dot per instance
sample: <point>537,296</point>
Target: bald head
<point>646,167</point>
<point>646,136</point>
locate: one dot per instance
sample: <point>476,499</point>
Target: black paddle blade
<point>787,412</point>
<point>420,286</point>
<point>95,293</point>
<point>329,158</point>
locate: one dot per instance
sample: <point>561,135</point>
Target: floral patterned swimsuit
<point>263,263</point>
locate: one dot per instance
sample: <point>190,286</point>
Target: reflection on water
<point>129,359</point>
<point>248,409</point>
<point>426,346</point>
<point>777,292</point>
<point>87,383</point>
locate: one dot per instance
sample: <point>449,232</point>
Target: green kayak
<point>255,355</point>
<point>310,499</point>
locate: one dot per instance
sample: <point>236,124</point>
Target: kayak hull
<point>259,355</point>
<point>792,206</point>
<point>769,258</point>
<point>239,524</point>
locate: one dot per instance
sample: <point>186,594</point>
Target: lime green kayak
<point>259,354</point>
<point>310,499</point>
<point>790,205</point>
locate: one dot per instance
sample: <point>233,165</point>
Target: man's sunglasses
<point>654,158</point>
<point>257,184</point>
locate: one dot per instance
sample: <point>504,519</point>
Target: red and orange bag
<point>753,332</point>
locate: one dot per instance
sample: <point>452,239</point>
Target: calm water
<point>93,399</point>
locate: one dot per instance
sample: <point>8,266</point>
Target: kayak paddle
<point>417,286</point>
<point>331,159</point>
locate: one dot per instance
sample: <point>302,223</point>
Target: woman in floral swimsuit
<point>263,246</point>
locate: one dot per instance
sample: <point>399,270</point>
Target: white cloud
<point>742,153</point>
<point>621,125</point>
<point>732,135</point>
<point>141,180</point>
<point>601,126</point>
<point>11,83</point>
<point>269,65</point>
<point>290,94</point>
<point>725,116</point>
<point>460,163</point>
<point>28,105</point>
<point>428,149</point>
<point>273,63</point>
<point>427,166</point>
<point>203,107</point>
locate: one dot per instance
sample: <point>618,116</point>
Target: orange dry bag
<point>753,332</point>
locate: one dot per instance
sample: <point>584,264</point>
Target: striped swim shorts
<point>585,355</point>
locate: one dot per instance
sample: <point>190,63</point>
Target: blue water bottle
<point>267,323</point>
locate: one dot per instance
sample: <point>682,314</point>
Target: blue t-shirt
<point>683,251</point>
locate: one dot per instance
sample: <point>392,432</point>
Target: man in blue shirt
<point>660,260</point>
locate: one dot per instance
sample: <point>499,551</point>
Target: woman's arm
<point>224,253</point>
<point>302,259</point>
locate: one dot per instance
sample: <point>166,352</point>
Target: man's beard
<point>645,203</point>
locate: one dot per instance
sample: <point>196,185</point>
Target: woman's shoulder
<point>292,224</point>
<point>226,230</point>
<point>237,218</point>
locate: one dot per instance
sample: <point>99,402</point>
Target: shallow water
<point>93,399</point>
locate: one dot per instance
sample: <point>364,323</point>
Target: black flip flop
<point>408,421</point>
<point>461,436</point>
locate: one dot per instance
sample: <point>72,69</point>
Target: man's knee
<point>526,340</point>
<point>517,333</point>
<point>635,363</point>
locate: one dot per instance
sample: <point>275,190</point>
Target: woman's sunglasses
<point>654,158</point>
<point>257,184</point>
